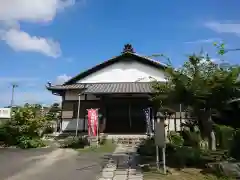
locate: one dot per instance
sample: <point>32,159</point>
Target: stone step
<point>129,141</point>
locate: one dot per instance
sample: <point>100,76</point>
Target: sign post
<point>5,113</point>
<point>160,140</point>
<point>147,113</point>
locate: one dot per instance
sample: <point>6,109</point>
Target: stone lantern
<point>160,131</point>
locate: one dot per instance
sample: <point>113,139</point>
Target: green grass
<point>107,147</point>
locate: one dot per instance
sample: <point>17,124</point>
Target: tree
<point>55,108</point>
<point>24,129</point>
<point>222,50</point>
<point>53,112</point>
<point>203,86</point>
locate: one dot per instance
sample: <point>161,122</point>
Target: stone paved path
<point>123,165</point>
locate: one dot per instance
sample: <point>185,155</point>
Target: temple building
<point>119,87</point>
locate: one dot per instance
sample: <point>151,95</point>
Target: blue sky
<point>51,40</point>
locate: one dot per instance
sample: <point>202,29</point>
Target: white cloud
<point>22,41</point>
<point>200,41</point>
<point>224,27</point>
<point>62,79</point>
<point>13,12</point>
<point>31,10</point>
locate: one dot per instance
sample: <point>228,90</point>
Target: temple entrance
<point>117,118</point>
<point>137,118</point>
<point>125,117</point>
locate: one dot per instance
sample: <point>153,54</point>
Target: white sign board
<point>5,113</point>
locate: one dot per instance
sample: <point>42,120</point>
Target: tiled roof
<point>125,87</point>
<point>65,87</point>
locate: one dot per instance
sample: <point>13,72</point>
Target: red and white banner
<point>92,122</point>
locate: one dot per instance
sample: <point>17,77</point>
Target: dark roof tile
<point>125,87</point>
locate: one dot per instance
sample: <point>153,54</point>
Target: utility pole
<point>13,89</point>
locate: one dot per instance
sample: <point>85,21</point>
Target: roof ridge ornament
<point>128,49</point>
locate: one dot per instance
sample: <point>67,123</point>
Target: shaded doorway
<point>138,123</point>
<point>117,118</point>
<point>125,116</point>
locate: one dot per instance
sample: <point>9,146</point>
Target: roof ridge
<point>112,82</point>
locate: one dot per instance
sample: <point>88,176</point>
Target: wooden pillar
<point>85,117</point>
<point>175,121</point>
<point>169,117</point>
<point>180,108</point>
<point>104,114</point>
<point>61,119</point>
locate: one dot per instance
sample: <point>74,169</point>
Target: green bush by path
<point>235,145</point>
<point>228,139</point>
<point>74,142</point>
<point>147,148</point>
<point>26,142</point>
<point>179,156</point>
<point>186,157</point>
<point>191,139</point>
<point>107,147</point>
<point>224,136</point>
<point>24,130</point>
<point>175,138</point>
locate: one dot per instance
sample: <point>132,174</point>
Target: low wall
<point>71,124</point>
<point>174,124</point>
<point>2,120</point>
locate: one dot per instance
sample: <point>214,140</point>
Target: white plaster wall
<point>129,71</point>
<point>71,124</point>
<point>171,124</point>
<point>73,95</point>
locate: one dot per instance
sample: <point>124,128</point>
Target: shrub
<point>49,129</point>
<point>3,133</point>
<point>147,148</point>
<point>191,138</point>
<point>24,129</point>
<point>103,139</point>
<point>185,156</point>
<point>179,156</point>
<point>75,142</point>
<point>235,146</point>
<point>26,142</point>
<point>224,136</point>
<point>7,135</point>
<point>176,139</point>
